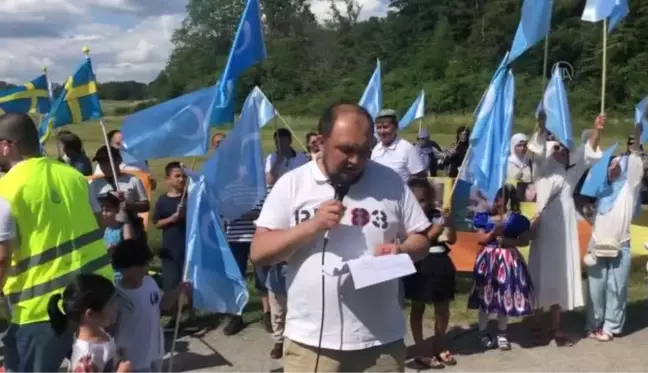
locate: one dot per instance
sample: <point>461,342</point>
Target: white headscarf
<point>513,157</point>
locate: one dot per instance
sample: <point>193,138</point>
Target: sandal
<point>428,362</point>
<point>446,358</point>
<point>593,334</point>
<point>561,339</point>
<point>604,336</point>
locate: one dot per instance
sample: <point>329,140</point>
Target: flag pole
<point>545,63</point>
<point>50,95</point>
<point>291,130</point>
<point>604,66</point>
<point>181,298</point>
<point>86,52</point>
<point>420,123</point>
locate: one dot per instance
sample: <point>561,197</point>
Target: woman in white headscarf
<point>554,257</point>
<point>519,167</point>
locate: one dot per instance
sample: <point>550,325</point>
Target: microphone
<point>341,190</point>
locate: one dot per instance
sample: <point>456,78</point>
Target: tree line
<point>449,48</point>
<point>116,91</point>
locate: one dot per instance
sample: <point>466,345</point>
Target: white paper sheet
<point>372,270</point>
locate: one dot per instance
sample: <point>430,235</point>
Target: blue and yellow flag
<point>32,97</point>
<point>78,102</point>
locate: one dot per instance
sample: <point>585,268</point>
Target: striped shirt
<point>242,230</point>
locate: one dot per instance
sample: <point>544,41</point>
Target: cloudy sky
<point>129,39</point>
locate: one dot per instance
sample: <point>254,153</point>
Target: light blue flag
<point>598,10</point>
<point>235,172</point>
<point>264,107</point>
<point>248,49</point>
<point>491,136</point>
<point>175,128</point>
<point>640,118</point>
<point>596,179</point>
<point>416,111</point>
<point>502,66</point>
<point>534,26</point>
<point>556,108</point>
<point>618,13</point>
<point>180,127</point>
<point>372,97</point>
<point>211,268</point>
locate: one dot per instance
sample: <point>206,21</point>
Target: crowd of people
<point>77,286</point>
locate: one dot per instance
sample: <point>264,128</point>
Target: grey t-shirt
<point>7,222</point>
<point>131,186</point>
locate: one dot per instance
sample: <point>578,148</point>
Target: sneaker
<point>503,343</point>
<point>234,326</point>
<point>486,340</point>
<point>277,351</point>
<point>267,322</point>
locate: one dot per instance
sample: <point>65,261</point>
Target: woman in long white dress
<point>554,260</point>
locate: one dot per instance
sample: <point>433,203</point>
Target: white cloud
<point>369,8</point>
<point>129,39</point>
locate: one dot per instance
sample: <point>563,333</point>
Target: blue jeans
<point>35,348</point>
<point>608,292</point>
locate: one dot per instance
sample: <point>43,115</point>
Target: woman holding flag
<point>554,260</point>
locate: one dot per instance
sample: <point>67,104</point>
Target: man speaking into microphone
<point>361,330</point>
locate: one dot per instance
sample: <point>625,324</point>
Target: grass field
<point>442,129</point>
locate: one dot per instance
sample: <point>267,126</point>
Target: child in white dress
<point>88,305</point>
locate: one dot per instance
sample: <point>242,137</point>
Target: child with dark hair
<point>88,306</point>
<point>434,280</point>
<point>138,332</point>
<point>502,284</point>
<point>169,216</point>
<point>119,224</point>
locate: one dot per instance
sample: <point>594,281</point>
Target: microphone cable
<point>341,190</point>
<point>321,332</point>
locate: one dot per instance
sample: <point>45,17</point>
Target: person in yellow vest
<point>48,236</point>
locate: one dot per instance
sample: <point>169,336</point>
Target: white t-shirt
<point>139,166</point>
<point>288,164</point>
<point>138,332</point>
<point>7,222</point>
<point>131,186</point>
<point>400,156</point>
<point>93,357</point>
<point>379,209</point>
<point>615,225</point>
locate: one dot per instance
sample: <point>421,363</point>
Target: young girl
<point>434,280</point>
<point>88,305</point>
<point>502,284</point>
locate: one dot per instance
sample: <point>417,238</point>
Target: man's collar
<point>318,174</point>
<point>393,144</point>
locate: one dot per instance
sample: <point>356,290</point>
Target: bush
<point>128,110</point>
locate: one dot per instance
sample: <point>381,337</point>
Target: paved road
<point>249,351</point>
<point>204,348</point>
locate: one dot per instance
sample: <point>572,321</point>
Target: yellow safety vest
<point>57,239</point>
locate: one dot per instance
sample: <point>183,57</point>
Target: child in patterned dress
<point>502,284</point>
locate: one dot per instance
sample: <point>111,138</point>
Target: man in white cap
<point>394,152</point>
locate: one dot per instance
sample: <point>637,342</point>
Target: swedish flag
<point>32,97</point>
<point>78,102</point>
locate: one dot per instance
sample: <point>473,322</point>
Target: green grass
<point>442,129</point>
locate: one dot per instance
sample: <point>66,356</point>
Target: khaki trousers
<point>386,358</point>
<point>277,315</point>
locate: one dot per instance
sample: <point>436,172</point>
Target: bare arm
<point>170,298</point>
<point>274,246</point>
<point>416,246</point>
<point>162,223</point>
<point>6,251</point>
